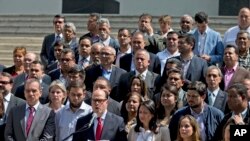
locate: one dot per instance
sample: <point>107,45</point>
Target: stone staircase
<point>29,30</point>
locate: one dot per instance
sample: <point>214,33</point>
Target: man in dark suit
<point>83,58</point>
<point>104,34</point>
<point>232,72</point>
<point>139,42</point>
<point>31,121</point>
<point>215,96</point>
<point>105,69</point>
<point>48,40</point>
<point>6,82</point>
<point>36,71</point>
<point>141,61</point>
<point>240,110</point>
<point>20,79</point>
<point>193,67</point>
<point>105,126</point>
<point>104,84</point>
<point>66,63</point>
<point>92,27</point>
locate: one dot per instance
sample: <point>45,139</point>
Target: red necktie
<point>98,129</point>
<point>30,119</point>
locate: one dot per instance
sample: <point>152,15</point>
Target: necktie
<point>210,99</point>
<point>30,119</point>
<point>98,129</point>
<point>58,38</point>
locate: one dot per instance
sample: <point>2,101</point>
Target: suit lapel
<point>21,115</point>
<point>189,70</point>
<point>112,76</point>
<point>234,76</point>
<point>12,103</point>
<point>106,127</point>
<point>148,79</point>
<point>218,100</point>
<point>37,117</point>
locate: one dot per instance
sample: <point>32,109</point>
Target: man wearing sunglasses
<point>58,23</point>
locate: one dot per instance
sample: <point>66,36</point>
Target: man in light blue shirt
<point>67,117</point>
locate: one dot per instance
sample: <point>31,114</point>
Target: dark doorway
<point>232,7</point>
<point>89,6</point>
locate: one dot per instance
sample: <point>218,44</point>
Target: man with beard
<point>186,24</point>
<point>207,117</point>
<point>6,82</point>
<point>95,55</point>
<point>83,59</point>
<point>36,71</point>
<point>66,118</point>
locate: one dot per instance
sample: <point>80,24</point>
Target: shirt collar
<point>215,92</point>
<point>205,32</point>
<point>195,114</point>
<point>233,69</point>
<point>104,115</point>
<point>35,106</point>
<point>243,113</point>
<point>82,107</point>
<point>144,74</point>
<point>109,71</point>
<point>127,52</point>
<point>7,97</point>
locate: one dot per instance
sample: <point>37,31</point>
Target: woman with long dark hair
<point>146,128</point>
<point>129,109</point>
<point>167,105</point>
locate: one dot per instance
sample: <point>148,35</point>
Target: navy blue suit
<point>113,129</point>
<point>154,66</point>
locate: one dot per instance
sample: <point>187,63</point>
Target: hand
<point>206,57</point>
<point>149,29</point>
<point>238,119</point>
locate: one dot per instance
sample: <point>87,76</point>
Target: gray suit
<point>14,101</point>
<point>220,101</point>
<point>47,44</point>
<point>42,128</point>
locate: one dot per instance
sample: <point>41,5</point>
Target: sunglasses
<point>4,82</point>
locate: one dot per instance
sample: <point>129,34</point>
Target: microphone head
<point>94,115</point>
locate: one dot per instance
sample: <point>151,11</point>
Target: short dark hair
<point>240,88</point>
<point>176,70</point>
<point>85,37</point>
<point>61,17</point>
<point>147,16</point>
<point>236,49</point>
<point>39,63</point>
<point>198,86</point>
<point>174,61</point>
<point>189,38</point>
<point>76,84</point>
<point>6,74</point>
<point>77,70</point>
<point>68,50</point>
<point>122,29</point>
<point>201,17</point>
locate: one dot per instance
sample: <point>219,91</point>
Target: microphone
<point>83,128</point>
<point>94,115</point>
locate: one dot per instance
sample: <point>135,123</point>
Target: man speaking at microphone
<point>105,126</point>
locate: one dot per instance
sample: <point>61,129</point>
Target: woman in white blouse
<point>146,128</point>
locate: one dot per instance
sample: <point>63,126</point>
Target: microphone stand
<point>85,127</point>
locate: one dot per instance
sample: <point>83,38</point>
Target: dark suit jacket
<point>10,70</point>
<point>55,74</point>
<point>220,101</point>
<point>14,101</point>
<point>2,67</point>
<point>42,128</point>
<point>43,99</point>
<point>113,106</point>
<point>52,66</point>
<point>124,88</point>
<point>237,77</point>
<point>93,73</point>
<point>113,129</point>
<point>20,79</point>
<point>46,46</point>
<point>196,70</point>
<point>154,66</point>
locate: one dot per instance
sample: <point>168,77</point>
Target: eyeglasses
<point>98,100</point>
<point>55,22</point>
<point>4,82</point>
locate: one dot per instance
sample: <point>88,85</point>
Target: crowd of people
<point>144,85</point>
